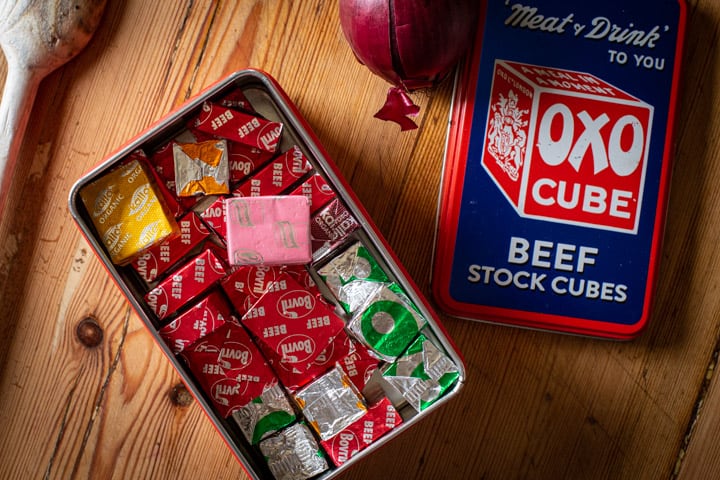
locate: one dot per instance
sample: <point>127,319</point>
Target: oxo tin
<point>306,368</point>
<point>558,164</point>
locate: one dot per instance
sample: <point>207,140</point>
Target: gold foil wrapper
<point>127,212</point>
<point>201,168</point>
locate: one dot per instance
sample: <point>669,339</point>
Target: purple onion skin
<point>412,44</point>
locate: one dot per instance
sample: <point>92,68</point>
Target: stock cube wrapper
<point>317,190</point>
<point>154,262</point>
<point>422,373</point>
<point>293,454</point>
<point>201,168</point>
<point>330,226</point>
<point>380,419</point>
<point>215,217</point>
<point>359,363</point>
<point>127,212</point>
<point>331,403</point>
<point>292,326</point>
<point>265,415</point>
<point>277,176</point>
<point>190,281</point>
<point>246,284</point>
<point>271,230</point>
<point>388,322</point>
<point>244,161</point>
<point>353,276</point>
<point>201,319</point>
<point>240,127</point>
<point>340,348</point>
<point>230,368</point>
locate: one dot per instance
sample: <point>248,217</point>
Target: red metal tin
<point>265,97</point>
<point>558,164</point>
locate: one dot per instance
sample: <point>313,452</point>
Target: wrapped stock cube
<point>422,374</point>
<point>127,212</point>
<point>201,168</point>
<point>331,403</point>
<point>271,230</point>
<point>265,415</point>
<point>293,454</point>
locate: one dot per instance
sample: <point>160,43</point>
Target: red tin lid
<point>557,166</point>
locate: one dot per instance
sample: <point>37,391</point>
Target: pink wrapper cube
<point>270,230</point>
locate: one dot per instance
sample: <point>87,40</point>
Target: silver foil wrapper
<point>353,276</point>
<point>265,415</point>
<point>331,403</point>
<point>422,374</point>
<point>293,454</point>
<point>195,175</point>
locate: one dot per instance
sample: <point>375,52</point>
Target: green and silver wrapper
<point>387,322</point>
<point>352,276</point>
<point>265,415</point>
<point>293,454</point>
<point>422,374</point>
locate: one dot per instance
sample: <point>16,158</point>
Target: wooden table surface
<point>536,405</point>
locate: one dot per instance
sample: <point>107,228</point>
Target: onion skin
<point>412,44</point>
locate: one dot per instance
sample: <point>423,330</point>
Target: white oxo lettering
<point>573,148</point>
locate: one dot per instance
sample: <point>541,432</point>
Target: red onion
<point>412,44</point>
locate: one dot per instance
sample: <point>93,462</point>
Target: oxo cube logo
<point>567,147</point>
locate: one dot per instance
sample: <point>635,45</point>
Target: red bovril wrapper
<point>277,176</point>
<point>229,367</point>
<point>329,227</point>
<point>359,364</point>
<point>190,281</point>
<point>237,100</point>
<point>246,284</point>
<point>379,419</point>
<point>317,190</point>
<point>340,348</point>
<point>159,259</point>
<point>203,318</point>
<point>244,161</point>
<point>238,126</point>
<point>215,216</point>
<point>293,327</point>
<point>174,206</point>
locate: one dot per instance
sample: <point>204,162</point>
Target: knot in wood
<point>89,332</point>
<point>180,396</point>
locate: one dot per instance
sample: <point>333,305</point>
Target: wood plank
<point>700,452</point>
<point>87,409</point>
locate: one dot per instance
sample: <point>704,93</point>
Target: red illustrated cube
<point>156,261</point>
<point>567,147</point>
<point>188,282</point>
<point>200,320</point>
<point>380,419</point>
<point>230,368</point>
<point>293,327</point>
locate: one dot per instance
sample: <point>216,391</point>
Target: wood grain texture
<point>536,405</point>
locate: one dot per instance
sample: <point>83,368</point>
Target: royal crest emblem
<point>507,134</point>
